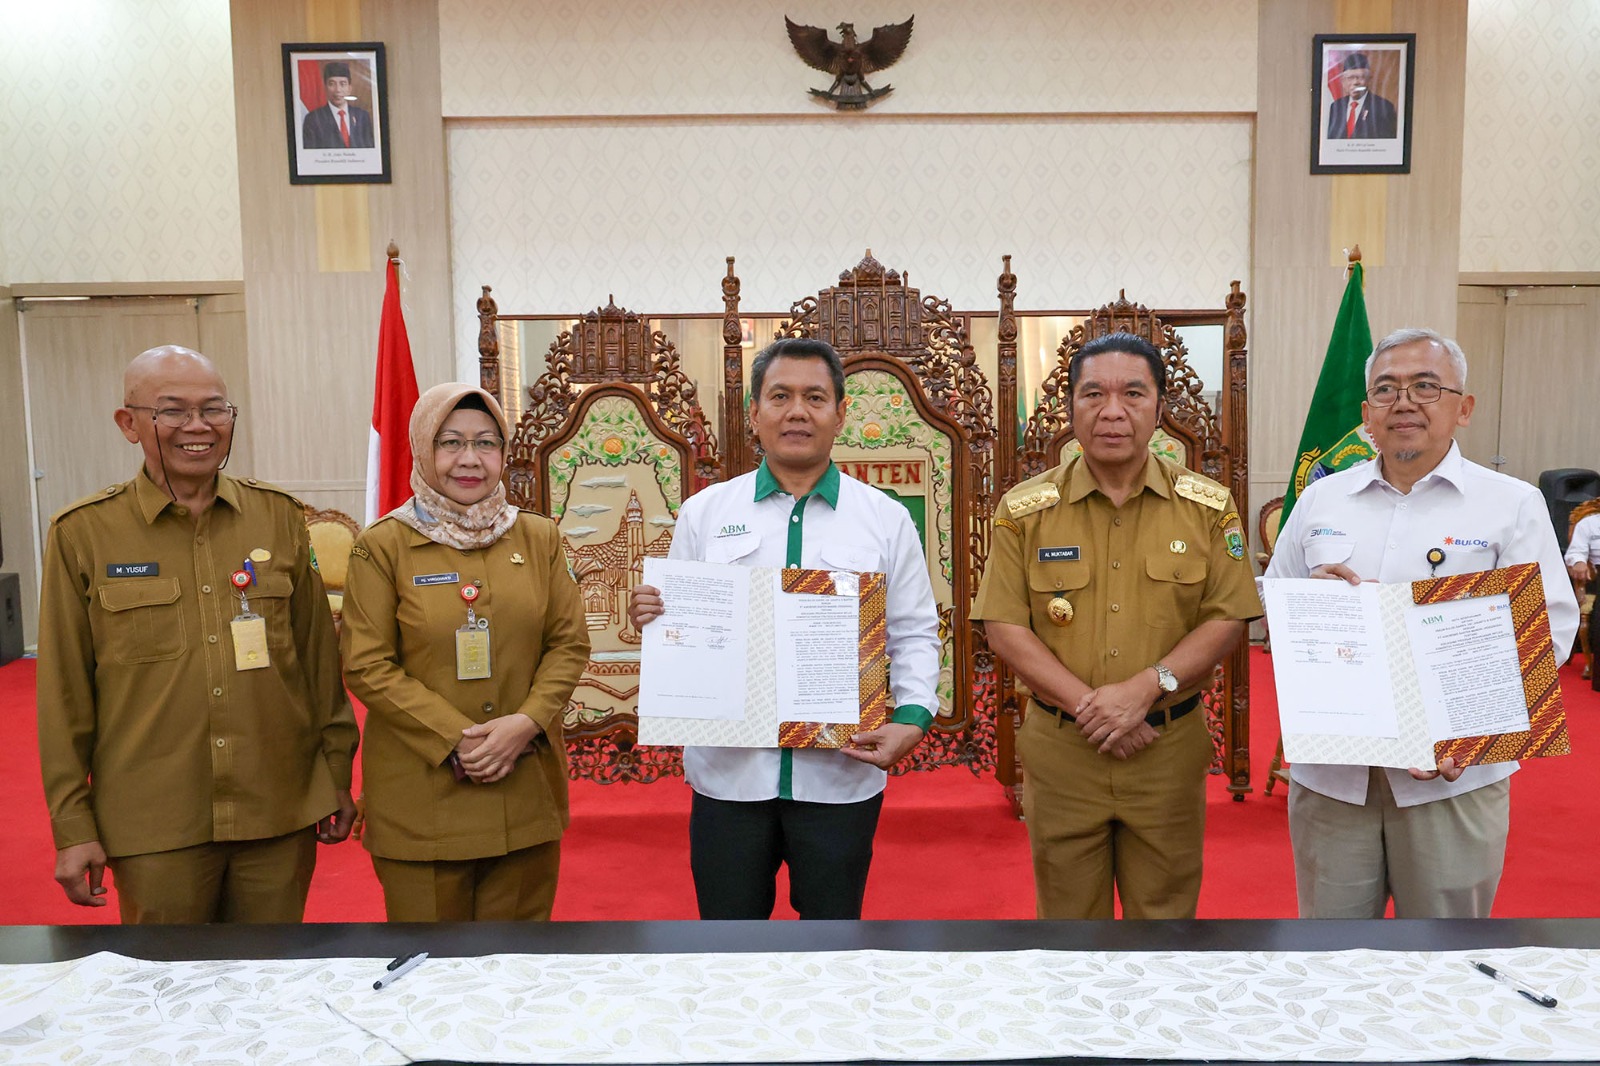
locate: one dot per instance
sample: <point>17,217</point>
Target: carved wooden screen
<point>920,426</point>
<point>1210,442</point>
<point>611,442</point>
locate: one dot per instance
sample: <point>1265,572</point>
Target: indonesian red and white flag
<point>394,394</point>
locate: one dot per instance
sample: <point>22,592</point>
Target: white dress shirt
<point>750,521</point>
<point>1480,519</point>
<point>1585,544</point>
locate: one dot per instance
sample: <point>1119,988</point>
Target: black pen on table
<point>1522,988</point>
<point>398,969</point>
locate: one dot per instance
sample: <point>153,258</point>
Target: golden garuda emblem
<point>850,60</point>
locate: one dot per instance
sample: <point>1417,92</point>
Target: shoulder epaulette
<point>107,493</point>
<point>1192,486</point>
<point>257,483</point>
<point>1025,500</point>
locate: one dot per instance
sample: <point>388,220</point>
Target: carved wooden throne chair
<point>611,441</point>
<point>918,426</point>
<point>1209,442</point>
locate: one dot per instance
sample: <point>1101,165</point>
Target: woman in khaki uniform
<point>464,636</point>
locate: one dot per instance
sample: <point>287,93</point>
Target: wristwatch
<point>1166,680</point>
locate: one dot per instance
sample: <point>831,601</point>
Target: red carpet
<point>947,847</point>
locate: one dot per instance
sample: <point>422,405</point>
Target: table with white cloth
<point>693,992</point>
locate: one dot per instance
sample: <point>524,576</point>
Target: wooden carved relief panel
<point>1209,442</point>
<point>611,442</point>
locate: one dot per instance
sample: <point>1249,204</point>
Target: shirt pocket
<point>143,621</point>
<point>1325,551</point>
<point>1048,580</point>
<point>269,597</point>
<point>1176,590</point>
<point>843,557</point>
<point>732,549</point>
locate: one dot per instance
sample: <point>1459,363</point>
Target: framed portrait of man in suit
<point>335,101</point>
<point>1361,103</point>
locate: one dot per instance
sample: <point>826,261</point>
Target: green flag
<point>1334,438</point>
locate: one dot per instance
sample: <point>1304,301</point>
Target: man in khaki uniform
<point>193,731</point>
<point>1115,584</point>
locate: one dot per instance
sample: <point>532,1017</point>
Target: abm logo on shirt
<point>733,531</point>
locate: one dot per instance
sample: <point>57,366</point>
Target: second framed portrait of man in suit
<point>1361,103</point>
<point>335,99</point>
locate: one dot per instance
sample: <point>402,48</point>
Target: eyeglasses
<point>480,445</point>
<point>1418,392</point>
<point>215,415</point>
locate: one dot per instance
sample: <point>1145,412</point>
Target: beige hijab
<point>429,511</point>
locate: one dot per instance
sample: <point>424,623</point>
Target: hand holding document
<point>1405,675</point>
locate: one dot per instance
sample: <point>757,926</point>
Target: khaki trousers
<point>225,881</point>
<point>1437,860</point>
<point>516,887</point>
<point>1095,821</point>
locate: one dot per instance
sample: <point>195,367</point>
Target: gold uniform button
<point>1116,521</point>
<point>488,707</point>
<point>249,481</point>
<point>1058,584</point>
<point>216,692</point>
<point>1177,573</point>
<point>1113,653</point>
<point>1116,565</point>
<point>220,742</point>
<point>212,639</point>
<point>205,589</point>
<point>1115,607</point>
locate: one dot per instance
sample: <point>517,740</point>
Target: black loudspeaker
<point>1563,490</point>
<point>10,618</point>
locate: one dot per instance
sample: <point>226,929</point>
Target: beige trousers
<point>1436,860</point>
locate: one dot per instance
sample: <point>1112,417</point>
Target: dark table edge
<point>33,944</point>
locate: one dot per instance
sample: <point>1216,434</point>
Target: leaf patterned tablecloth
<point>1358,1005</point>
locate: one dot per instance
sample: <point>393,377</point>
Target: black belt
<point>1163,716</point>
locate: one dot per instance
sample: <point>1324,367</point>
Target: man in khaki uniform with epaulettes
<point>199,739</point>
<point>1115,584</point>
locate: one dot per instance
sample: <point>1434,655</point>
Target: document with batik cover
<point>1406,674</point>
<point>761,724</point>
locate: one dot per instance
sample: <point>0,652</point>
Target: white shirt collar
<point>1451,469</point>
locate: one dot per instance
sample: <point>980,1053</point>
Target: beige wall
<point>608,148</point>
<point>314,259</point>
<point>1531,185</point>
<point>1406,225</point>
<point>116,142</point>
<point>509,58</point>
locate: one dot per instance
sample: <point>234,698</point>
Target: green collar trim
<point>827,486</point>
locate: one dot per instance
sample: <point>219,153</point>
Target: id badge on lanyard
<point>472,642</point>
<point>248,628</point>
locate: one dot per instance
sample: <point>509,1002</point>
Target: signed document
<point>692,658</point>
<point>1404,674</point>
<point>816,634</point>
<point>762,657</point>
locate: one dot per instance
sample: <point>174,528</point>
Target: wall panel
<point>612,57</point>
<point>648,210</point>
<point>117,151</point>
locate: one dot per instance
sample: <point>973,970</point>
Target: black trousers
<point>735,849</point>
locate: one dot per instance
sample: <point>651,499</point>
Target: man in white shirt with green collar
<point>1433,839</point>
<point>815,810</point>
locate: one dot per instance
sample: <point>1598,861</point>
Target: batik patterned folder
<point>874,660</point>
<point>1530,619</point>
